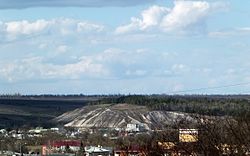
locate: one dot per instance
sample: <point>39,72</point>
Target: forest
<point>218,105</point>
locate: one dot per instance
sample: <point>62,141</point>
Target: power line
<point>210,88</point>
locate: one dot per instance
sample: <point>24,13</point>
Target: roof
<point>66,143</point>
<point>93,149</point>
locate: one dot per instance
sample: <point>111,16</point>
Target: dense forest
<point>218,105</point>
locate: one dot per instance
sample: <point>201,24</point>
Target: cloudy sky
<point>124,46</point>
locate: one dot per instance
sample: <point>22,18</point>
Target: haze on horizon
<point>118,46</point>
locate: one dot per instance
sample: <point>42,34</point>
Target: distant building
<point>97,151</point>
<point>54,129</point>
<point>56,146</point>
<point>134,127</point>
<point>188,135</point>
<point>3,131</point>
<point>38,130</point>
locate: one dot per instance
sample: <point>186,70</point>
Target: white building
<point>134,127</point>
<point>38,130</point>
<point>96,151</point>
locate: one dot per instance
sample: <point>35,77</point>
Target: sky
<point>124,47</point>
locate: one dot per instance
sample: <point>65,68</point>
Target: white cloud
<point>153,15</point>
<point>18,70</point>
<point>62,26</point>
<point>89,27</point>
<point>184,16</point>
<point>110,63</point>
<point>36,68</point>
<point>84,67</point>
<point>150,17</point>
<point>133,26</point>
<point>25,27</point>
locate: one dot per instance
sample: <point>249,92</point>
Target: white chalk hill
<point>118,116</point>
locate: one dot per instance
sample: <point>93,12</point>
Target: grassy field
<point>35,112</point>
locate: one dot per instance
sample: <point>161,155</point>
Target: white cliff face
<point>118,116</point>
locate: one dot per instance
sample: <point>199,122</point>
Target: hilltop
<point>118,116</point>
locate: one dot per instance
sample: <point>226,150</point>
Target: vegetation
<point>202,104</point>
<point>24,111</point>
<point>36,110</point>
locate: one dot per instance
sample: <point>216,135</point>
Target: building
<point>37,130</point>
<point>188,135</point>
<point>96,151</point>
<point>131,127</point>
<point>62,146</point>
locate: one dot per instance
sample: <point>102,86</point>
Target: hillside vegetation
<point>218,105</point>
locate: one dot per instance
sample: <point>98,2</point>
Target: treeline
<point>218,105</point>
<point>18,95</point>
